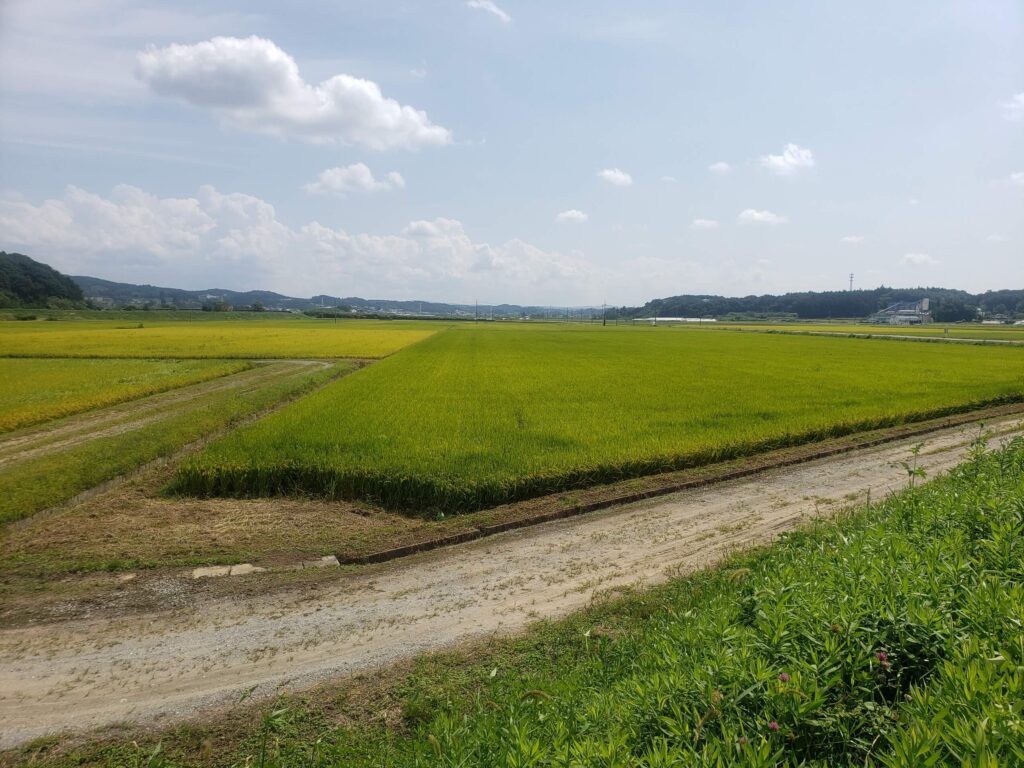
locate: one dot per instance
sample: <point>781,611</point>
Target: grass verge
<point>888,637</point>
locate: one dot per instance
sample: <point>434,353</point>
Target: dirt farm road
<point>160,667</point>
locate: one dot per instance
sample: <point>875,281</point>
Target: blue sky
<point>529,152</point>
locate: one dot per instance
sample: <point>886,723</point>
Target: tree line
<point>947,305</point>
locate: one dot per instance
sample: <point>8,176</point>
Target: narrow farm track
<point>163,667</point>
<point>125,417</point>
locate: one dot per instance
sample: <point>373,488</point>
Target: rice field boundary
<point>682,480</point>
<point>886,336</point>
<point>183,450</point>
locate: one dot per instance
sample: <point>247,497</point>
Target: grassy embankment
<point>477,417</point>
<point>889,637</point>
<point>30,482</point>
<point>34,391</point>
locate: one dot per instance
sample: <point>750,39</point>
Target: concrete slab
<point>244,569</point>
<point>211,570</point>
<point>327,561</point>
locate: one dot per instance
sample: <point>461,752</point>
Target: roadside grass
<point>126,528</point>
<point>254,338</point>
<point>35,391</point>
<point>36,483</point>
<point>889,636</point>
<point>476,417</point>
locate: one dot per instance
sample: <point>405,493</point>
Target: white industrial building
<point>904,313</point>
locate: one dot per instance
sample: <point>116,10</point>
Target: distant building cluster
<point>904,313</point>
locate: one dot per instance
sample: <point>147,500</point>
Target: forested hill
<point>947,305</point>
<point>25,282</point>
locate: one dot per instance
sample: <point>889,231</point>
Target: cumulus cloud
<point>357,177</point>
<point>793,159</point>
<point>490,7</point>
<point>1013,108</point>
<point>253,85</point>
<point>752,216</point>
<point>853,239</point>
<point>615,176</point>
<point>237,240</point>
<point>704,224</point>
<point>1017,179</point>
<point>669,179</point>
<point>572,215</point>
<point>720,168</point>
<point>918,260</point>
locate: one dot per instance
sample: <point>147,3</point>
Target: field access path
<point>71,431</point>
<point>162,667</point>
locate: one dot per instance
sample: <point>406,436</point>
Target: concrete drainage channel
<point>244,569</point>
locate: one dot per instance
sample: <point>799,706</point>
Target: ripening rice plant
<point>475,417</point>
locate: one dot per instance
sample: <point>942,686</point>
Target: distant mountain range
<point>25,282</point>
<point>108,293</point>
<point>947,305</point>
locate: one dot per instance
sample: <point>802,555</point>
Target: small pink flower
<point>773,726</point>
<point>784,677</point>
<point>883,656</point>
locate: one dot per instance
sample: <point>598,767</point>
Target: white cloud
<point>720,168</point>
<point>353,178</point>
<point>914,201</point>
<point>572,215</point>
<point>617,177</point>
<point>853,239</point>
<point>252,84</point>
<point>1017,179</point>
<point>1013,108</point>
<point>704,224</point>
<point>995,239</point>
<point>70,52</point>
<point>793,159</point>
<point>491,7</point>
<point>918,260</point>
<point>236,240</point>
<point>418,72</point>
<point>669,179</point>
<point>751,216</point>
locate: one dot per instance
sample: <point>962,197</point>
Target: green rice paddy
<point>34,391</point>
<point>475,417</point>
